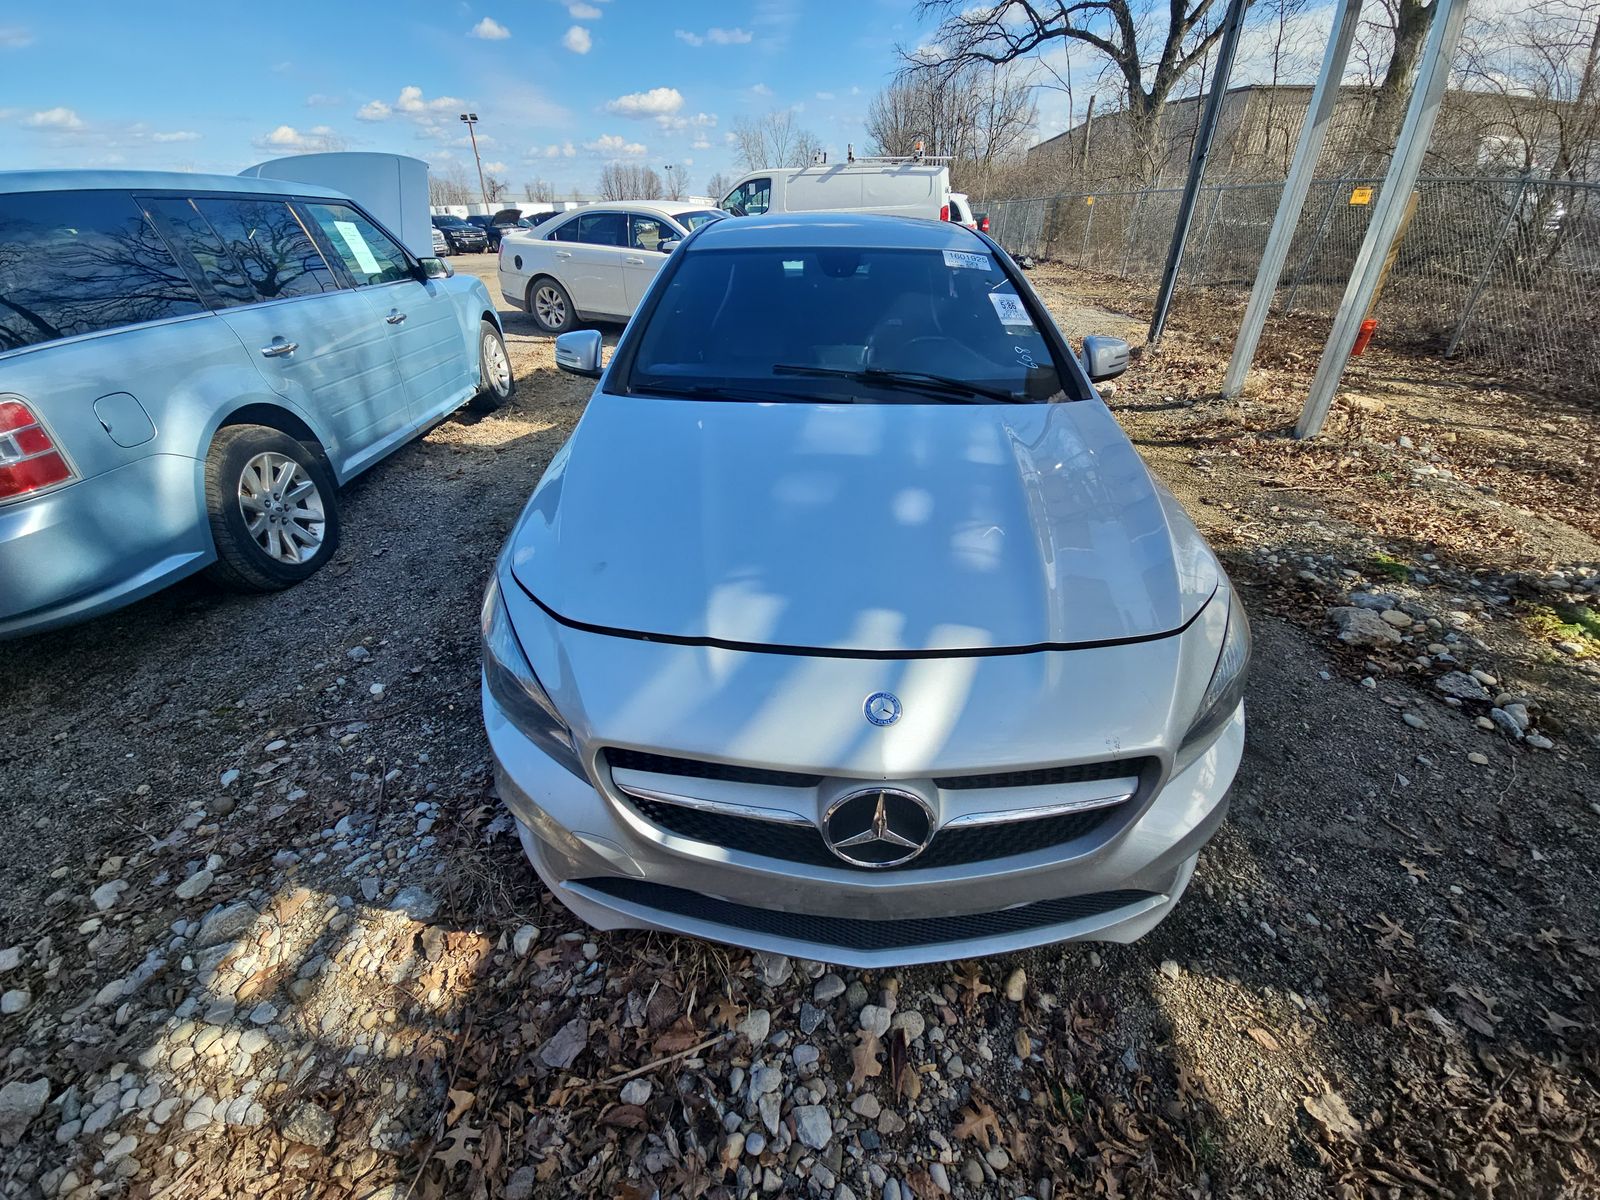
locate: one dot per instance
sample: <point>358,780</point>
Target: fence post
<point>1512,210</point>
<point>1088,225</point>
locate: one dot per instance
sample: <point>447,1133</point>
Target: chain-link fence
<point>1502,270</point>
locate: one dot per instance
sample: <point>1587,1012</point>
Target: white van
<point>905,188</point>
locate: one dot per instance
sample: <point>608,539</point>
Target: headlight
<point>516,689</point>
<point>1224,691</point>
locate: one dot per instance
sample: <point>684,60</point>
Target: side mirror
<point>578,352</point>
<point>436,268</point>
<point>1104,357</point>
<point>668,245</point>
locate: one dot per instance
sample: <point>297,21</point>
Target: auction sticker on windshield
<point>1010,309</point>
<point>351,234</point>
<point>964,260</point>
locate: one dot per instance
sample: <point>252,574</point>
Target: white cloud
<point>717,37</point>
<point>490,30</point>
<point>760,89</point>
<point>824,95</point>
<point>373,110</point>
<point>565,150</point>
<point>657,102</point>
<point>495,168</point>
<point>177,135</point>
<point>323,100</point>
<point>287,137</point>
<point>615,146</point>
<point>583,12</point>
<point>14,37</point>
<point>55,118</point>
<point>411,101</point>
<point>577,40</point>
<point>700,143</point>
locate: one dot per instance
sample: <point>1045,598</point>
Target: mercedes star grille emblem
<point>882,708</point>
<point>878,827</point>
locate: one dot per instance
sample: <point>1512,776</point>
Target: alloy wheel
<point>282,507</point>
<point>550,308</point>
<point>496,367</point>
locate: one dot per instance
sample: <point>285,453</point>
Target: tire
<point>558,316</point>
<point>496,384</point>
<point>245,462</point>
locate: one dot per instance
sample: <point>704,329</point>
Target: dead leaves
<point>1330,1111</point>
<point>1263,1039</point>
<point>676,1039</point>
<point>979,1123</point>
<point>864,1059</point>
<point>459,1147</point>
<point>973,988</point>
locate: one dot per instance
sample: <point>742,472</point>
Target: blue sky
<point>560,87</point>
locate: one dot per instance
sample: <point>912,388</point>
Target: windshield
<point>843,326</point>
<point>693,220</point>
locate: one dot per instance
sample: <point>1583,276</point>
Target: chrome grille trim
<point>750,812</point>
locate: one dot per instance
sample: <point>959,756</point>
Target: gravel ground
<point>266,930</point>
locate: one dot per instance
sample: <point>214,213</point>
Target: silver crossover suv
<point>190,367</point>
<point>849,625</point>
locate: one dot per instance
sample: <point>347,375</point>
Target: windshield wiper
<point>920,380</point>
<point>712,391</point>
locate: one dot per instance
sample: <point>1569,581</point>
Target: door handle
<point>563,253</point>
<point>279,349</point>
<point>395,318</point>
<point>634,262</point>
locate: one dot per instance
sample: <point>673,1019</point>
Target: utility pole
<point>471,121</point>
<point>667,167</point>
<point>1232,24</point>
<point>1389,213</point>
<point>1319,113</point>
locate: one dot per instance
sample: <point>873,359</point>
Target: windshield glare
<point>693,220</point>
<point>833,325</point>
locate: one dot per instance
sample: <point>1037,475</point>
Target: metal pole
<point>471,122</point>
<point>1488,266</point>
<point>1088,225</point>
<point>1389,212</point>
<point>1232,24</point>
<point>1315,248</point>
<point>1319,114</point>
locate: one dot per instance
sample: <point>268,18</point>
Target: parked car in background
<point>464,238</point>
<point>495,226</point>
<point>190,368</point>
<point>961,211</point>
<point>901,187</point>
<point>593,263</point>
<point>982,220</point>
<point>849,625</point>
<point>441,244</point>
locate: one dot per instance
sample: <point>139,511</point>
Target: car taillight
<point>944,212</point>
<point>983,223</point>
<point>29,460</point>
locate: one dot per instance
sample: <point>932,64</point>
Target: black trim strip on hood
<point>671,639</point>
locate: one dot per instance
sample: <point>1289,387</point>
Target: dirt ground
<point>265,930</point>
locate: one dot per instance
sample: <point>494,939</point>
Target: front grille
<point>856,934</point>
<point>804,843</point>
<point>1046,776</point>
<point>661,764</point>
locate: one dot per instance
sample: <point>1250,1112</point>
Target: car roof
<point>670,208</point>
<point>155,181</point>
<point>841,229</point>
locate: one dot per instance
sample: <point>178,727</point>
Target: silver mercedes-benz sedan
<point>849,625</point>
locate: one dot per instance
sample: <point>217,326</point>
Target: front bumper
<point>617,871</point>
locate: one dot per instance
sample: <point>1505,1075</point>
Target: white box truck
<point>392,187</point>
<point>904,187</point>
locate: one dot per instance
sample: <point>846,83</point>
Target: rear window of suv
<point>80,262</point>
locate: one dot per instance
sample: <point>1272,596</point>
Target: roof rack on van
<point>916,156</point>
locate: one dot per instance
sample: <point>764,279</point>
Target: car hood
<point>886,528</point>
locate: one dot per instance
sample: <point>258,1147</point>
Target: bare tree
<point>774,140</point>
<point>976,115</point>
<point>718,186</point>
<point>628,181</point>
<point>495,189</point>
<point>677,185</point>
<point>449,186</point>
<point>539,191</point>
<point>1400,27</point>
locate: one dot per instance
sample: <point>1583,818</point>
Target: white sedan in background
<point>594,263</point>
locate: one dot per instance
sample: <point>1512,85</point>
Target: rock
<point>226,924</point>
<point>829,987</point>
<point>415,903</point>
<point>973,1171</point>
<point>998,1158</point>
<point>520,1185</point>
<point>1570,649</point>
<point>1363,627</point>
<point>104,896</point>
<point>1393,616</point>
<point>764,1080</point>
<point>263,1014</point>
<point>126,1145</point>
<point>1375,601</point>
<point>10,959</point>
<point>1539,742</point>
<point>1518,712</point>
<point>772,969</point>
<point>813,1125</point>
<point>1481,760</point>
<point>875,1019</point>
<point>229,777</point>
<point>636,1091</point>
<point>522,941</point>
<point>756,1026</point>
<point>912,1022</point>
<point>755,1143</point>
<point>358,654</point>
<point>1506,723</point>
<point>855,995</point>
<point>569,1042</point>
<point>194,885</point>
<point>866,1105</point>
<point>20,1103</point>
<point>770,1108</point>
<point>890,1121</point>
<point>1016,986</point>
<point>1462,686</point>
<point>806,1056</point>
<point>309,1124</point>
<point>940,1177</point>
<point>1170,969</point>
<point>17,999</point>
<point>1413,720</point>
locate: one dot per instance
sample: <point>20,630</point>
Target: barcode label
<point>961,260</point>
<point>1010,309</point>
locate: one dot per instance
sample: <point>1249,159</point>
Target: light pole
<point>670,189</point>
<point>471,121</point>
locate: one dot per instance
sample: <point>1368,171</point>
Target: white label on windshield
<point>1010,309</point>
<point>351,234</point>
<point>961,259</point>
